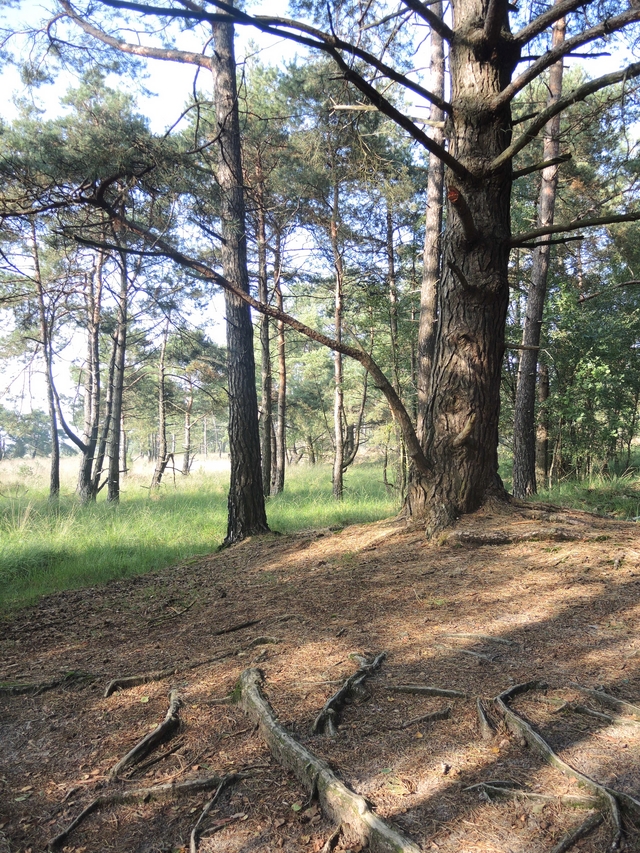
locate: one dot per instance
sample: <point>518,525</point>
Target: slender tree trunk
<point>113,483</point>
<point>265,329</point>
<point>524,435</point>
<point>47,352</point>
<point>186,450</point>
<point>428,321</point>
<point>462,410</point>
<point>542,436</point>
<point>124,449</point>
<point>338,394</point>
<point>281,428</point>
<point>162,453</point>
<point>93,303</point>
<point>105,430</point>
<point>246,508</point>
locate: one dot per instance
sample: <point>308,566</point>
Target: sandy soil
<point>567,607</point>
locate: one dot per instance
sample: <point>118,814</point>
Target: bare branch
<point>167,54</point>
<point>436,23</point>
<point>538,167</point>
<point>574,97</point>
<point>610,25</point>
<point>496,17</point>
<point>519,239</point>
<point>632,283</point>
<point>540,24</point>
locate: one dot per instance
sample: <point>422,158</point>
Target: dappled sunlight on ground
<point>566,611</point>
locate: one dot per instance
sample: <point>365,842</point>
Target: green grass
<point>617,496</point>
<point>45,548</point>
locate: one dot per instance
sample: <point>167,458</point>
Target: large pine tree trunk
<point>246,507</point>
<point>524,432</point>
<point>461,413</point>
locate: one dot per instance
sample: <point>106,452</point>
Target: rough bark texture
<point>246,508</point>
<point>432,237</point>
<point>461,416</point>
<point>265,326</point>
<point>524,433</point>
<point>113,482</point>
<point>338,392</point>
<point>281,428</point>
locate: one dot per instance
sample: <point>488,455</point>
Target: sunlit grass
<point>45,548</point>
<point>617,496</point>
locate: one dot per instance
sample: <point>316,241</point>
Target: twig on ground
<point>341,804</point>
<point>238,627</point>
<point>327,719</point>
<point>158,758</point>
<point>166,616</point>
<point>156,792</point>
<point>444,714</point>
<point>153,739</point>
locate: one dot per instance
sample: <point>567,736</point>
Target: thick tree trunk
<point>432,237</point>
<point>113,482</point>
<point>246,507</point>
<point>524,432</point>
<point>462,409</point>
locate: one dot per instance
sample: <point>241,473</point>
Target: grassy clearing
<point>46,548</point>
<point>617,496</point>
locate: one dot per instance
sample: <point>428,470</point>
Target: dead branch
<point>426,690</point>
<point>591,823</point>
<point>327,719</point>
<point>444,714</point>
<point>608,701</point>
<point>141,795</point>
<point>153,739</point>
<point>341,804</point>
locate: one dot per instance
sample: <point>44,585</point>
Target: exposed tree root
<point>485,725</point>
<point>426,690</point>
<point>137,795</point>
<point>486,637</point>
<point>540,534</point>
<point>610,798</point>
<point>196,831</point>
<point>468,652</point>
<point>153,739</point>
<point>238,627</point>
<point>608,701</point>
<point>128,681</point>
<point>591,823</point>
<point>444,714</point>
<point>500,790</point>
<point>332,840</point>
<point>327,719</point>
<point>342,805</point>
<point>38,687</point>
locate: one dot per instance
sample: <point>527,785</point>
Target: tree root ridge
<point>500,790</point>
<point>128,681</point>
<point>327,720</point>
<point>143,795</point>
<point>148,743</point>
<point>608,701</point>
<point>196,831</point>
<point>591,823</point>
<point>341,804</point>
<point>426,690</point>
<point>542,534</point>
<point>612,800</point>
<point>38,687</point>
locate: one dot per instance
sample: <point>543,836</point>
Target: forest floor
<point>553,598</point>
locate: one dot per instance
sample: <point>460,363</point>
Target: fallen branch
<point>327,719</point>
<point>426,690</point>
<point>233,628</point>
<point>142,795</point>
<point>153,739</point>
<point>444,714</point>
<point>609,797</point>
<point>341,804</point>
<point>166,616</point>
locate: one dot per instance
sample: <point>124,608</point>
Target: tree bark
<point>265,328</point>
<point>524,434</point>
<point>246,508</point>
<point>281,428</point>
<point>113,482</point>
<point>338,393</point>
<point>186,447</point>
<point>47,352</point>
<point>162,450</point>
<point>461,413</point>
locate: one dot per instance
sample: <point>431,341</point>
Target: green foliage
<point>44,548</point>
